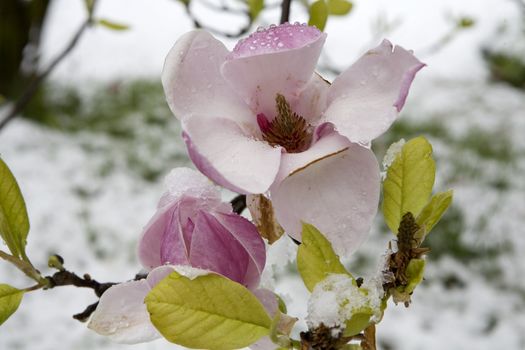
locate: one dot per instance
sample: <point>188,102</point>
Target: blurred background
<point>92,145</point>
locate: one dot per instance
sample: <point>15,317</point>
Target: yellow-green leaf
<point>10,299</point>
<point>112,25</point>
<point>409,181</point>
<point>14,223</point>
<point>339,7</point>
<point>415,271</point>
<point>358,322</point>
<point>208,312</point>
<point>255,7</point>
<point>318,14</point>
<point>316,258</point>
<point>432,213</point>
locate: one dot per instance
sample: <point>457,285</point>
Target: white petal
<point>230,157</point>
<point>122,315</point>
<point>328,145</point>
<point>338,194</point>
<point>364,101</point>
<point>193,83</point>
<point>258,79</point>
<point>312,101</point>
<point>185,181</point>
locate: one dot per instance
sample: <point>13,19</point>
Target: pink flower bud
<point>193,227</point>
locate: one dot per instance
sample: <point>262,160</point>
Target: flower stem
<point>285,11</point>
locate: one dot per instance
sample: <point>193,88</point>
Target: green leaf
<point>316,259</point>
<point>255,7</point>
<point>409,181</point>
<point>432,213</point>
<point>415,271</point>
<point>14,223</point>
<point>357,323</point>
<point>318,14</point>
<point>339,7</point>
<point>112,25</point>
<point>208,312</point>
<point>281,304</point>
<point>10,299</point>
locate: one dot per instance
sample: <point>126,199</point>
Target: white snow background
<point>97,233</point>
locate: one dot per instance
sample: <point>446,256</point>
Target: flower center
<point>287,129</point>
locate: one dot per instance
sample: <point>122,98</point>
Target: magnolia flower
<point>258,119</point>
<point>194,233</point>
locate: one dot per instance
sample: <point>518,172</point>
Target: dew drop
<point>280,44</point>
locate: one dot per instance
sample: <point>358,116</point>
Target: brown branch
<point>369,338</point>
<point>239,203</point>
<point>67,278</point>
<point>285,11</point>
<point>33,86</point>
<point>198,24</point>
<point>222,7</point>
<point>84,315</point>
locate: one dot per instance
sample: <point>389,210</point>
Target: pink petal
<point>229,156</point>
<point>174,248</point>
<point>193,83</point>
<point>275,38</point>
<point>164,224</point>
<point>269,70</point>
<point>214,248</point>
<point>122,315</point>
<point>268,299</point>
<point>338,194</point>
<point>246,234</point>
<point>329,144</point>
<point>364,101</point>
<point>151,241</point>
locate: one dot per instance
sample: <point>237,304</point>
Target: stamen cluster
<point>288,129</point>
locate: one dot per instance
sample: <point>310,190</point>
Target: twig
<point>239,204</point>
<point>285,11</point>
<point>369,339</point>
<point>23,266</point>
<point>198,24</point>
<point>222,7</point>
<point>84,315</point>
<point>67,278</point>
<point>33,86</point>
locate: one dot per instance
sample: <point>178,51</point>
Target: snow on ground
<point>93,217</point>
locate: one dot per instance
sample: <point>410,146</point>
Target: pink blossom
<point>192,232</point>
<point>259,119</point>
